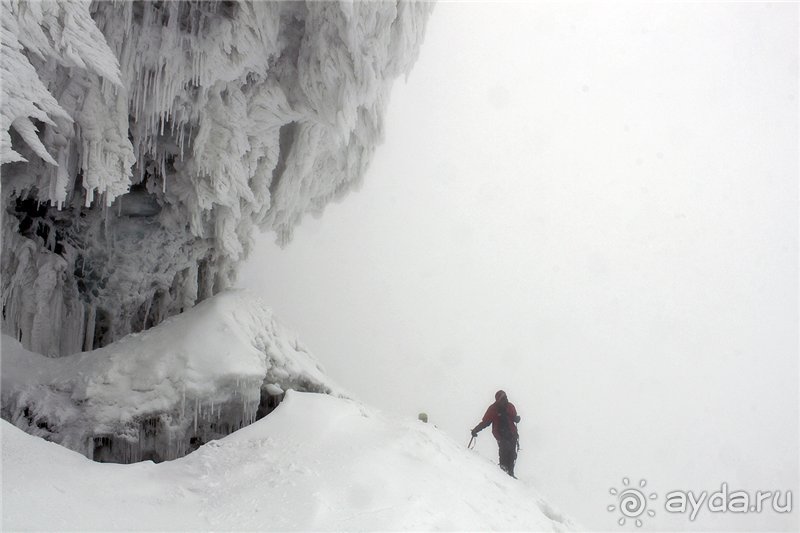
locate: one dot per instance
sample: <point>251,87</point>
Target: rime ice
<point>144,142</point>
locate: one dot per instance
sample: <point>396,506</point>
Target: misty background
<point>595,208</point>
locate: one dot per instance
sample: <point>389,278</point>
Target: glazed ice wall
<point>144,142</point>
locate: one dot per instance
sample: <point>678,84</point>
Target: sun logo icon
<point>631,501</point>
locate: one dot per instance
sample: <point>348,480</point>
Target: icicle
<point>88,339</point>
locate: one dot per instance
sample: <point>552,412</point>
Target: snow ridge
<point>144,142</point>
<point>317,463</point>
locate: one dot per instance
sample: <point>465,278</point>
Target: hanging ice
<point>143,142</point>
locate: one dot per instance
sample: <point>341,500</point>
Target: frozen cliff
<point>144,142</point>
<point>162,393</point>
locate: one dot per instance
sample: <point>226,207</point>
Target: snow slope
<point>316,463</point>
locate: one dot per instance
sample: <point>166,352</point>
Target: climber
<point>502,415</point>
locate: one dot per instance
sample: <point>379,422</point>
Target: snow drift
<point>162,393</point>
<point>316,463</point>
<point>143,142</point>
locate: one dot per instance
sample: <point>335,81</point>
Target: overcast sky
<point>595,208</point>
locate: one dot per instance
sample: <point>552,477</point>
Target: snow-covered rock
<point>317,463</point>
<point>161,393</point>
<point>144,142</point>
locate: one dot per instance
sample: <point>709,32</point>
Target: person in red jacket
<point>502,415</point>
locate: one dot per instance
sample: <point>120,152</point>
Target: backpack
<point>504,423</point>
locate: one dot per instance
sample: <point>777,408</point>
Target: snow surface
<point>199,375</point>
<point>316,463</point>
<point>144,142</point>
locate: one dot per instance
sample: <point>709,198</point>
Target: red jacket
<point>494,416</point>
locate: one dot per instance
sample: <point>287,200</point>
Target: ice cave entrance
<point>161,438</point>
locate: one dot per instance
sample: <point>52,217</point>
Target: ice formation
<point>143,142</point>
<point>161,393</point>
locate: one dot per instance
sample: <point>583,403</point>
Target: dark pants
<point>508,454</point>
